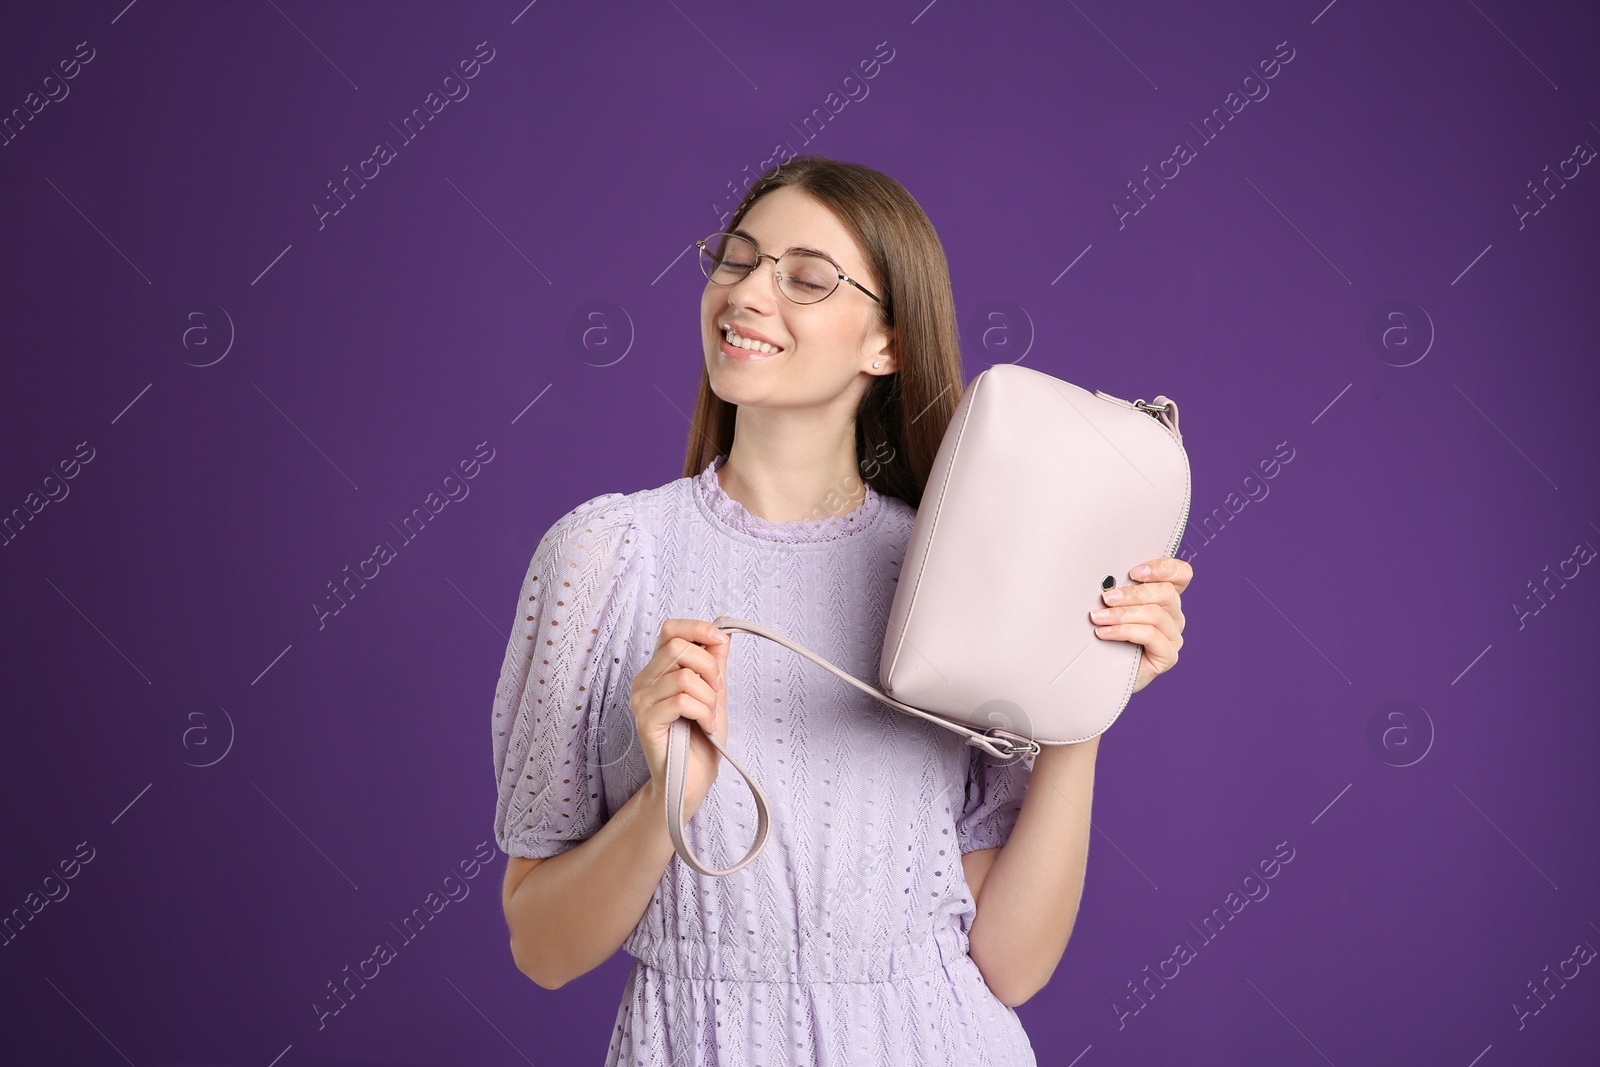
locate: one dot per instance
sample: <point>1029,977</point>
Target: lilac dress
<point>845,941</point>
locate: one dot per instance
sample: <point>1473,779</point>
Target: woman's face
<point>827,348</point>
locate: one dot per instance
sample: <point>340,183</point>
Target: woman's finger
<point>678,653</point>
<point>1160,650</point>
<point>1164,569</point>
<point>1161,594</point>
<point>1140,593</point>
<point>1154,615</point>
<point>684,680</point>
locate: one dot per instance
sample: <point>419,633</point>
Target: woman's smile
<point>737,346</point>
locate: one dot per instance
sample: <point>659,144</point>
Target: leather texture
<point>1042,494</point>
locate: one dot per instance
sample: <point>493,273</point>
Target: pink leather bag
<point>1042,495</point>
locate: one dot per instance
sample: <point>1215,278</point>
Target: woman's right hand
<point>685,678</point>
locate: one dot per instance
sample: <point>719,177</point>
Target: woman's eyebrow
<point>792,248</point>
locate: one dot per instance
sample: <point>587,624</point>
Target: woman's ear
<point>884,361</point>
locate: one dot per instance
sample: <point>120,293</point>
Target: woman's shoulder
<point>603,511</point>
<point>603,524</point>
<point>639,512</point>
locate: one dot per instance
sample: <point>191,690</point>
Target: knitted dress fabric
<point>845,940</point>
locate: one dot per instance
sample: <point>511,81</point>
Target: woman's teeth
<point>754,346</point>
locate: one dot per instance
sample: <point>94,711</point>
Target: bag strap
<point>996,741</point>
<point>677,769</point>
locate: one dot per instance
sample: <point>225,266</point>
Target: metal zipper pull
<point>1164,410</point>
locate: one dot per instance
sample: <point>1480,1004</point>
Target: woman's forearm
<point>1029,899</point>
<point>574,910</point>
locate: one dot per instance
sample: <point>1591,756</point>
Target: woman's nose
<point>765,285</point>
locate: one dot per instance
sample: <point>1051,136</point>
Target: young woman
<point>913,890</point>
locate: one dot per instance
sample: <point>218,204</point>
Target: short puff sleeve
<point>553,684</point>
<point>995,791</point>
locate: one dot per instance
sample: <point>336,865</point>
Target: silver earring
<point>876,364</point>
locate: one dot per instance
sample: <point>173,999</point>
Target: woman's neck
<point>794,486</point>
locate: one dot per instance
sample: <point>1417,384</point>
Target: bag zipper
<point>1161,412</point>
<point>1157,411</point>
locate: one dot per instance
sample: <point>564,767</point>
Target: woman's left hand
<point>1148,613</point>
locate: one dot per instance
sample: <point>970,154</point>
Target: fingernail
<point>722,682</point>
<point>1141,571</point>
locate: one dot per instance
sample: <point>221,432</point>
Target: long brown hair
<point>903,415</point>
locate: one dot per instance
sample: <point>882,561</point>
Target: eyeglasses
<point>803,277</point>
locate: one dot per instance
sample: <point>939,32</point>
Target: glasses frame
<point>777,278</point>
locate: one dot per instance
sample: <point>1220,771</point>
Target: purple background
<point>161,614</point>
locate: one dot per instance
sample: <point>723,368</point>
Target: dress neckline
<point>729,512</point>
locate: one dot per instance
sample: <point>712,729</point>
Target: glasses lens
<point>727,257</point>
<point>806,278</point>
